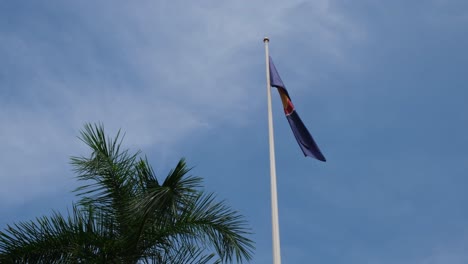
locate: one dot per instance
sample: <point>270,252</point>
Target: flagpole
<point>274,195</point>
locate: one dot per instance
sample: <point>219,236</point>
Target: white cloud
<point>441,252</point>
<point>158,70</point>
<point>446,254</point>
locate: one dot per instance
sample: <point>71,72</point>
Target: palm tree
<point>125,215</point>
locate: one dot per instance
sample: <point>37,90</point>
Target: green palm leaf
<point>125,215</point>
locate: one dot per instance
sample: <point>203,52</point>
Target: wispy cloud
<point>159,70</point>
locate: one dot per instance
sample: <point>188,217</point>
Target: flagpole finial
<point>266,39</point>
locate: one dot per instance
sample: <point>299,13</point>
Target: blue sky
<point>380,84</point>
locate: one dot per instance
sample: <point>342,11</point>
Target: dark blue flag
<point>303,137</point>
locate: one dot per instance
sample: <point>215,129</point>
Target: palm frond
<point>216,224</point>
<point>125,215</point>
<point>182,214</point>
<point>108,173</point>
<point>145,176</point>
<point>189,254</point>
<point>108,168</point>
<point>57,239</point>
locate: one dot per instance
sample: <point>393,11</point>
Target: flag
<point>303,137</point>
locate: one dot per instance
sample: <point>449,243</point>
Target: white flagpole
<point>274,195</point>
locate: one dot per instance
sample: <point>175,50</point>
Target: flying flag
<point>303,137</point>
